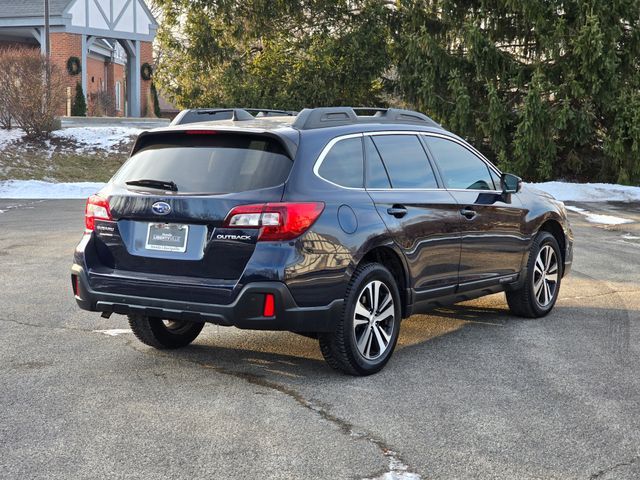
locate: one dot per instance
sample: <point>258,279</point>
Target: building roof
<point>31,8</point>
<point>121,19</point>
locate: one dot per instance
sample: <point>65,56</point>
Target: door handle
<point>397,211</point>
<point>468,213</point>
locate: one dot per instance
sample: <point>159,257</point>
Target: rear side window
<point>343,165</point>
<point>460,169</point>
<point>209,164</point>
<point>406,161</point>
<point>376,174</point>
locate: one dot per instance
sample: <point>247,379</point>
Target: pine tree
<point>79,106</point>
<point>155,101</point>
<point>288,54</point>
<point>547,88</point>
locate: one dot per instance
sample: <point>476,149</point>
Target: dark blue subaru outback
<point>336,224</point>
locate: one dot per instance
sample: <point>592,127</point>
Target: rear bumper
<point>244,312</point>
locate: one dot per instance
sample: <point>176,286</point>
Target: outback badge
<point>161,208</point>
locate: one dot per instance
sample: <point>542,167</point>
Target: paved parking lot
<point>470,393</point>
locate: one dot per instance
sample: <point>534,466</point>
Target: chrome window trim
<point>462,143</point>
<point>325,151</point>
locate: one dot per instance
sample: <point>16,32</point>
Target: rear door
<point>493,243</point>
<point>422,218</point>
<point>180,233</point>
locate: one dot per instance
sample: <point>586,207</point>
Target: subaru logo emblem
<point>161,208</point>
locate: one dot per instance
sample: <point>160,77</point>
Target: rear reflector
<point>277,221</point>
<point>74,284</point>
<point>269,309</point>
<point>97,209</point>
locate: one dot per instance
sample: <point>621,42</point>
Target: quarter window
<point>406,161</point>
<point>343,165</point>
<point>460,169</point>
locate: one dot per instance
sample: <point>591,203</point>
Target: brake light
<point>97,209</point>
<point>201,132</point>
<point>276,221</point>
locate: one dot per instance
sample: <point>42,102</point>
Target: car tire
<point>539,293</point>
<point>363,341</point>
<point>164,334</point>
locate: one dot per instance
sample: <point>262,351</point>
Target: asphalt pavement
<point>471,391</point>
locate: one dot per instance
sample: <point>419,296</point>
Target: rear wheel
<point>164,334</point>
<point>367,331</point>
<point>538,295</point>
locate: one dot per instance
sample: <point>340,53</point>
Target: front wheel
<point>539,293</point>
<point>367,331</point>
<point>164,334</point>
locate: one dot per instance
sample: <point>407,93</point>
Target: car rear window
<point>209,163</point>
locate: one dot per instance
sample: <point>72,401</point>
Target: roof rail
<point>311,118</point>
<point>193,115</point>
<point>238,114</point>
<point>269,112</point>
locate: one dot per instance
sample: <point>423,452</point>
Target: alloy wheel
<point>545,276</point>
<point>373,320</point>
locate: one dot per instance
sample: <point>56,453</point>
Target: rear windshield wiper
<point>155,184</point>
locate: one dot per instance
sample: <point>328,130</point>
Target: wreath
<point>74,67</point>
<point>146,71</point>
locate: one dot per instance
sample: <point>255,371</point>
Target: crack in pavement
<point>398,469</point>
<point>50,327</point>
<point>605,471</point>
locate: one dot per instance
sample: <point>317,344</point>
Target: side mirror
<point>510,183</point>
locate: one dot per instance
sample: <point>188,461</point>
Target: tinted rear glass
<point>406,161</point>
<point>213,164</point>
<point>376,174</point>
<point>343,165</point>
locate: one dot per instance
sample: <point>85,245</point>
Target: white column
<point>134,108</point>
<point>84,65</point>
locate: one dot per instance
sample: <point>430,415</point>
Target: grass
<point>59,161</point>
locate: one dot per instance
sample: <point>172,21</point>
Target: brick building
<point>112,40</point>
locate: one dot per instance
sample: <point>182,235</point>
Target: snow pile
<point>97,138</point>
<point>589,192</point>
<point>9,136</point>
<point>38,189</point>
<point>598,218</point>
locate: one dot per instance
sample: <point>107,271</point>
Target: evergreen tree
<point>79,105</point>
<point>154,99</point>
<point>287,54</point>
<point>548,88</point>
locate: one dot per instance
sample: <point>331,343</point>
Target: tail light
<point>97,209</point>
<point>276,221</point>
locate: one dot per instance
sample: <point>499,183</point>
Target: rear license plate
<point>167,237</point>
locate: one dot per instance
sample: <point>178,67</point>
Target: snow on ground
<point>96,138</point>
<point>589,192</point>
<point>9,136</point>
<point>86,139</point>
<point>598,218</point>
<point>39,189</point>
